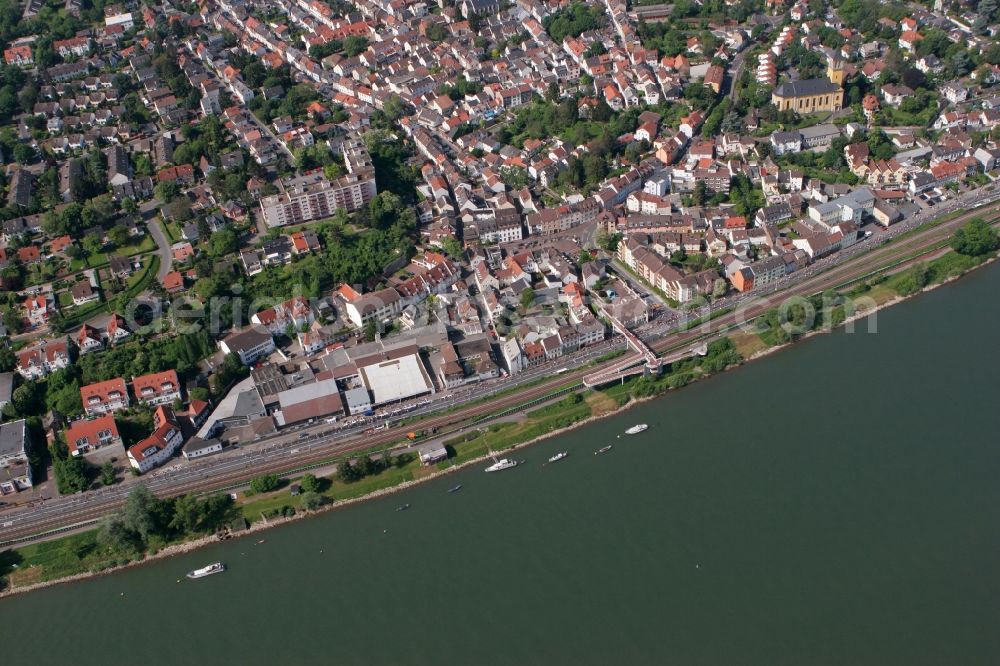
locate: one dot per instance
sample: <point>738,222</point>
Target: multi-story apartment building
<point>104,397</point>
<point>87,434</point>
<point>36,362</point>
<point>15,470</point>
<point>155,449</point>
<point>158,388</point>
<point>313,196</point>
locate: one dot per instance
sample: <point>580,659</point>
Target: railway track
<point>903,250</point>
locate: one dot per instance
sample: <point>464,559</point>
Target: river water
<point>835,503</point>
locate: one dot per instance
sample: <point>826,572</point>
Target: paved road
<point>162,249</point>
<point>317,443</point>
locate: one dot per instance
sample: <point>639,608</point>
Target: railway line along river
<point>834,503</point>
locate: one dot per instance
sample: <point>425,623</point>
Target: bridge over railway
<point>643,361</point>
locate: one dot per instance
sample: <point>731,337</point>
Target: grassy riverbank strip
<point>80,555</point>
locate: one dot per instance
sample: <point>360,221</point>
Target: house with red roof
<point>20,56</point>
<point>908,40</point>
<point>38,308</point>
<point>60,244</point>
<point>294,312</point>
<point>104,397</point>
<point>155,449</point>
<point>182,173</point>
<point>305,241</point>
<point>29,254</point>
<point>173,282</point>
<point>86,435</point>
<point>36,362</point>
<point>158,388</point>
<point>182,251</point>
<point>88,339</point>
<point>116,329</point>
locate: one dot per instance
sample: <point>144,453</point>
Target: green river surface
<point>835,503</point>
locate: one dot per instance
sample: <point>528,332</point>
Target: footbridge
<point>642,360</point>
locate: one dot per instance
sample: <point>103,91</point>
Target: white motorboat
<point>502,464</point>
<point>603,449</point>
<point>218,567</point>
<point>559,456</point>
<point>636,429</point>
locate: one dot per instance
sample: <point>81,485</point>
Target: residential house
<point>85,435</point>
<point>15,468</point>
<point>155,449</point>
<point>159,388</point>
<point>104,397</point>
<point>37,362</point>
<point>250,344</point>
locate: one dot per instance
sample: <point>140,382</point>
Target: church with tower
<point>813,95</point>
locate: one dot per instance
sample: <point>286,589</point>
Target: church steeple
<point>835,71</point>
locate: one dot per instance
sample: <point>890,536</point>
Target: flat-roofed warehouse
<point>396,379</point>
<point>309,401</point>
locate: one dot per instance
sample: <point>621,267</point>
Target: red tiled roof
<point>89,430</point>
<point>155,382</point>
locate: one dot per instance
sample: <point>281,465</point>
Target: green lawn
<point>49,560</point>
<point>337,490</point>
<point>895,117</point>
<point>172,230</point>
<point>139,245</point>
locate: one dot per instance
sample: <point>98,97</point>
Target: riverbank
<point>537,426</point>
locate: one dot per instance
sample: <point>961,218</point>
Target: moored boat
<point>402,507</point>
<point>603,449</point>
<point>455,489</point>
<point>218,567</point>
<point>559,456</point>
<point>636,429</point>
<point>502,464</point>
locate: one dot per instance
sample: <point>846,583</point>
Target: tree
<point>371,330</point>
<point>527,298</point>
<point>348,473</point>
<point>25,398</point>
<point>719,288</point>
<point>93,244</point>
<point>13,322</point>
<point>607,241</point>
<point>975,239</point>
<point>115,536</point>
<point>310,483</point>
<point>394,107</point>
<point>452,247</point>
<point>700,193</point>
<point>140,512</point>
<point>265,483</point>
<point>223,242</point>
<point>354,44</point>
<point>23,153</point>
<point>310,501</point>
<point>118,235</point>
<point>187,514</point>
<point>435,32</point>
<point>107,474</point>
<point>166,191</point>
<point>71,474</point>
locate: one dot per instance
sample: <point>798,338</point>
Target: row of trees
<point>146,520</point>
<point>350,472</point>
